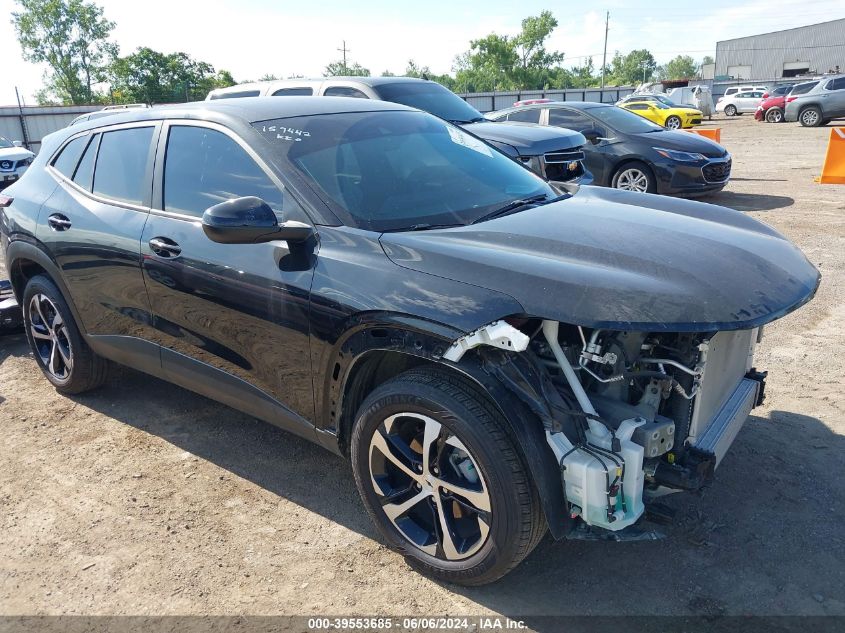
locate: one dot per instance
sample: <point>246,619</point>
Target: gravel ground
<point>143,498</point>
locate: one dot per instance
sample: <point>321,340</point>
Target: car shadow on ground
<point>749,201</point>
<point>762,539</point>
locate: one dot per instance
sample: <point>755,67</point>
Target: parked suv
<point>817,102</point>
<point>496,359</point>
<point>555,154</point>
<point>14,161</point>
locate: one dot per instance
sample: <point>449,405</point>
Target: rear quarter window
<point>802,89</point>
<point>235,95</point>
<point>65,163</point>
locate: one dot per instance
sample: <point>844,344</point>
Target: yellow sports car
<point>673,118</point>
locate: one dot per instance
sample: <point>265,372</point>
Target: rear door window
<point>344,91</point>
<point>294,92</point>
<point>204,167</point>
<point>570,119</point>
<point>121,168</point>
<point>528,115</point>
<point>66,161</point>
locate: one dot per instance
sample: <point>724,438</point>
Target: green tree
<point>535,62</point>
<point>633,68</point>
<point>707,60</point>
<point>584,75</point>
<point>681,67</point>
<point>502,62</point>
<point>338,69</point>
<point>148,76</point>
<point>72,38</point>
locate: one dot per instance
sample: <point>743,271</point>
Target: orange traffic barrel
<point>713,133</point>
<point>833,172</point>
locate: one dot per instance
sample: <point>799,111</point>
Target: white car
<point>740,102</point>
<point>13,161</point>
<point>737,89</point>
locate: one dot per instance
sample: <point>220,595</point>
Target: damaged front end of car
<point>628,415</point>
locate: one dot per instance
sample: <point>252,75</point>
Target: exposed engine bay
<point>634,415</point>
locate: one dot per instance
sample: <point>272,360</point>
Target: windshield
<point>390,171</point>
<point>4,142</point>
<point>623,121</point>
<point>431,97</point>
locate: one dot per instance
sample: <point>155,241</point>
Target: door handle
<point>58,222</point>
<point>165,247</point>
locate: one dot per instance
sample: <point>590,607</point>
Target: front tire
<point>774,115</point>
<point>730,110</point>
<point>673,123</point>
<point>442,479</point>
<point>634,176</point>
<point>810,116</point>
<point>61,353</point>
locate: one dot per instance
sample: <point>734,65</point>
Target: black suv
<point>495,358</point>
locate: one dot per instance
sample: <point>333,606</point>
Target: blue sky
<point>253,37</point>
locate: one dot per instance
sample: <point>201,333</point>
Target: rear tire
<point>61,353</point>
<point>454,496</point>
<point>810,116</point>
<point>730,110</point>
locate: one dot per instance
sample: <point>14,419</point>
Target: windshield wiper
<point>423,226</point>
<point>516,205</point>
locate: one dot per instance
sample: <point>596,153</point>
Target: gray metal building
<point>29,124</point>
<point>805,50</point>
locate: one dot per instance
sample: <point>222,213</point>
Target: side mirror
<point>17,143</point>
<point>250,220</point>
<point>592,136</point>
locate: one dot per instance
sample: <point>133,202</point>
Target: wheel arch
<point>375,363</point>
<point>621,164</point>
<point>24,261</point>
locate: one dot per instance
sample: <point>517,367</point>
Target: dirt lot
<point>143,498</point>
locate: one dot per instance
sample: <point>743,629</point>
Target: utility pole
<point>604,54</point>
<point>344,50</point>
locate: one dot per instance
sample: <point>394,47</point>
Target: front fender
<point>426,342</point>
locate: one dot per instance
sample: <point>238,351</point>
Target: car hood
<point>684,142</point>
<point>15,153</point>
<point>529,139</point>
<point>621,260</point>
